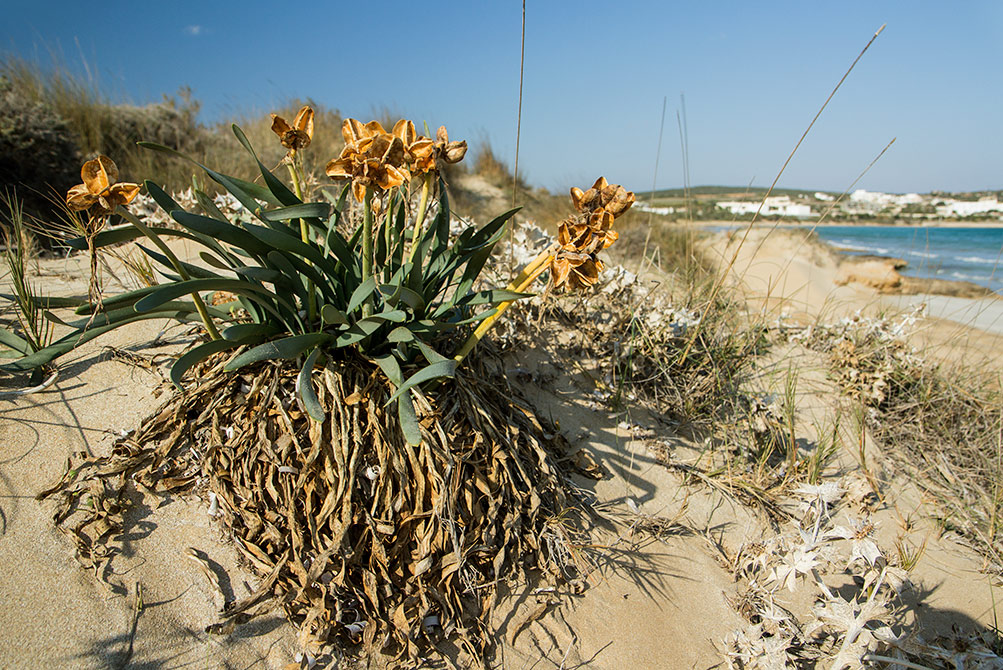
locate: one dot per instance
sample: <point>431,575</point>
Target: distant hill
<point>729,191</point>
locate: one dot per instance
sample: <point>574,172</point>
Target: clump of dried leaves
<point>359,536</point>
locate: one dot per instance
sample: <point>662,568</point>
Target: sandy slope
<point>652,603</point>
<point>53,612</point>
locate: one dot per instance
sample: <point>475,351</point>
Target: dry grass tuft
<point>941,423</point>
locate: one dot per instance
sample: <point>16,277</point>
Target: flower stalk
<point>520,284</point>
<point>294,174</point>
<point>367,246</point>
<point>419,220</point>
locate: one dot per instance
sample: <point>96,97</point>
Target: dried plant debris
<point>826,595</point>
<point>940,424</point>
<point>360,537</point>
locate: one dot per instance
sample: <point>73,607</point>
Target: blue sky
<point>753,75</point>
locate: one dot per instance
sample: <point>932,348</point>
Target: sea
<point>968,254</point>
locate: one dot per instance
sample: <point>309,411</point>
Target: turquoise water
<point>969,254</point>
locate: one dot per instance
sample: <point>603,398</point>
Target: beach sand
<point>652,603</point>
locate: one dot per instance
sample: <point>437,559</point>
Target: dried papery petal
<point>576,197</point>
<point>359,191</point>
<point>455,151</point>
<point>353,131</point>
<point>620,202</point>
<point>279,125</point>
<point>99,174</point>
<point>124,193</point>
<point>304,120</point>
<point>99,188</point>
<point>375,128</point>
<point>588,200</point>
<point>341,168</point>
<point>560,268</point>
<point>450,152</point>
<point>404,129</point>
<point>79,198</point>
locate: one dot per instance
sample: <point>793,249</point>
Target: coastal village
<point>859,205</point>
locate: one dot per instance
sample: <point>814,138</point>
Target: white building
<point>662,211</point>
<point>961,208</point>
<point>778,205</point>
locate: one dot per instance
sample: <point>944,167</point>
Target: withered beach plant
<point>369,499</point>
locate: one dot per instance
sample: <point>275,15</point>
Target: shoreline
<point>888,274</point>
<point>787,273</point>
<point>802,225</point>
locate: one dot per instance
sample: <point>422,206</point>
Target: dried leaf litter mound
<point>359,537</point>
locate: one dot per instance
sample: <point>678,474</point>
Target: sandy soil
<point>653,603</point>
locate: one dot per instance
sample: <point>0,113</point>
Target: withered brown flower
<point>612,198</point>
<point>372,157</point>
<point>419,151</point>
<point>298,135</point>
<point>575,270</point>
<point>587,235</point>
<point>446,151</point>
<point>100,189</point>
<point>582,236</point>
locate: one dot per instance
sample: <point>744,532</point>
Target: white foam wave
<point>847,245</point>
<point>978,259</point>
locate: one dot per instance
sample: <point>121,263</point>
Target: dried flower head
<point>446,151</point>
<point>612,198</point>
<point>575,270</point>
<point>299,134</point>
<point>419,151</point>
<point>584,235</point>
<point>100,189</point>
<point>372,158</point>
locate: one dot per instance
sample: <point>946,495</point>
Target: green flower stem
<point>304,232</point>
<point>519,284</point>
<point>420,218</point>
<point>178,267</point>
<point>388,231</point>
<point>367,246</point>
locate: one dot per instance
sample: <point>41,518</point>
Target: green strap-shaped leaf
<point>124,234</point>
<point>363,328</point>
<point>237,188</point>
<point>75,339</point>
<point>359,295</point>
<point>293,244</point>
<point>410,427</point>
<point>224,232</point>
<point>51,302</point>
<point>287,347</point>
<point>120,300</point>
<point>280,190</point>
<point>304,385</point>
<point>313,210</point>
<point>15,342</point>
<point>196,355</point>
<point>208,206</point>
<point>445,368</point>
<point>331,315</point>
<point>244,332</point>
<point>194,271</point>
<point>490,232</point>
<point>492,297</point>
<point>162,294</point>
<point>391,368</point>
<point>213,261</point>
